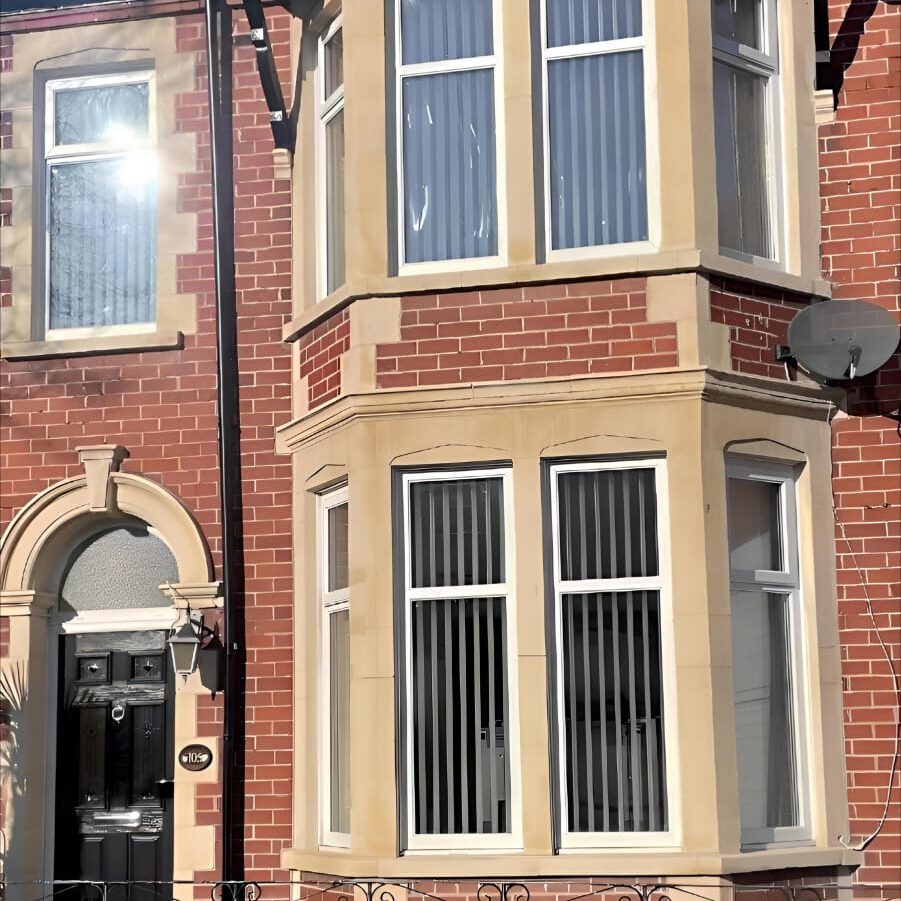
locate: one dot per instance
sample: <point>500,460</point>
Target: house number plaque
<point>195,757</point>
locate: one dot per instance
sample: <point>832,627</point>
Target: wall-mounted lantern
<point>184,644</point>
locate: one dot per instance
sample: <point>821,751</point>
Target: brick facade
<point>860,185</point>
<point>320,354</point>
<point>162,407</point>
<point>544,331</point>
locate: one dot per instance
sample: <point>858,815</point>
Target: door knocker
<point>118,712</point>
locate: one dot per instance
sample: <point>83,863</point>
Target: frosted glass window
<point>116,569</point>
<point>596,166</point>
<point>102,236</point>
<point>447,167</point>
<point>101,189</point>
<point>104,114</point>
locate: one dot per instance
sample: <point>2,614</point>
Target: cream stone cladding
<point>95,48</point>
<point>682,209</point>
<point>694,417</point>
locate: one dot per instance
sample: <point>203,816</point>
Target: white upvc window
<point>767,654</point>
<point>99,205</point>
<point>330,156</point>
<point>613,667</point>
<point>449,139</point>
<point>745,105</point>
<point>459,641</point>
<point>595,124</point>
<point>334,606</point>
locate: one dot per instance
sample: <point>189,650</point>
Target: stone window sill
<point>79,347</point>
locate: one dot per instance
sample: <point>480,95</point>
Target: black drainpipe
<point>219,72</point>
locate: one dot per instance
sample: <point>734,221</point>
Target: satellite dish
<point>839,340</point>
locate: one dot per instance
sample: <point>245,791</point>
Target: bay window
<point>447,167</point>
<point>766,658</point>
<point>607,682</point>
<point>331,156</point>
<point>594,123</point>
<point>745,70</point>
<point>334,603</point>
<point>455,629</point>
<point>100,205</point>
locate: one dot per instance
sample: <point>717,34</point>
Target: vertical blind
<point>447,133</point>
<point>339,721</point>
<point>459,693</point>
<point>611,690</point>
<point>332,119</point>
<point>596,124</point>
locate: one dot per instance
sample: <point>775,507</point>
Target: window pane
<point>333,63</point>
<point>337,548</point>
<point>457,532</point>
<point>739,21</point>
<point>96,115</point>
<point>461,772</point>
<point>116,569</point>
<point>755,535</point>
<point>607,524</point>
<point>761,674</point>
<point>597,150</point>
<point>613,712</point>
<point>339,722</point>
<point>450,182</point>
<point>741,160</point>
<point>588,21</point>
<point>334,191</point>
<point>434,30</point>
<point>102,230</point>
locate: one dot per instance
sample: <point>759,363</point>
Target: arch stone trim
<point>46,527</point>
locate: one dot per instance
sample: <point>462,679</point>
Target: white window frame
<point>326,110</point>
<point>763,63</point>
<point>79,153</point>
<point>494,62</point>
<point>472,841</point>
<point>646,43</point>
<point>787,582</point>
<point>329,603</point>
<point>662,583</point>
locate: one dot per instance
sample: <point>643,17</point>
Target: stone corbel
<point>100,462</point>
<point>196,595</point>
<point>26,603</point>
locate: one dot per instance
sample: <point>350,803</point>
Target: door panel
<point>113,822</point>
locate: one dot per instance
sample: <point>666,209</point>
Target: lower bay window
<point>455,628</point>
<point>334,601</point>
<point>608,583</point>
<point>766,658</point>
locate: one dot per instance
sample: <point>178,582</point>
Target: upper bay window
<point>447,168</point>
<point>331,156</point>
<point>594,123</point>
<point>745,70</point>
<point>100,196</point>
<point>766,653</point>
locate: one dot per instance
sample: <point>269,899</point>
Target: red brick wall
<point>162,406</point>
<point>320,357</point>
<point>758,320</point>
<point>860,184</point>
<point>519,333</point>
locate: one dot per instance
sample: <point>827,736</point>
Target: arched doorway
<point>113,815</point>
<point>81,565</point>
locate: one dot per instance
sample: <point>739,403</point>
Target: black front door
<point>114,757</point>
